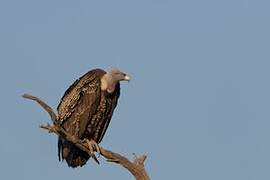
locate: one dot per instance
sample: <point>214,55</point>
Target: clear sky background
<point>198,104</point>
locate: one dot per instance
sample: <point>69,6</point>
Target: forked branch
<point>136,168</point>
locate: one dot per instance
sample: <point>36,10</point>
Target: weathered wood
<point>136,168</point>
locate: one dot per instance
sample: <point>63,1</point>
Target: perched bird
<point>85,112</point>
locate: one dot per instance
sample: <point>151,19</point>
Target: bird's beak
<point>127,78</point>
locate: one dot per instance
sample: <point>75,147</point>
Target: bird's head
<point>118,76</point>
<point>111,78</point>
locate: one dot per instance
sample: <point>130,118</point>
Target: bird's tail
<point>73,155</point>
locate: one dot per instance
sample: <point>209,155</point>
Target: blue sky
<point>198,104</point>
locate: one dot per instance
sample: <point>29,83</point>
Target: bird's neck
<point>107,83</point>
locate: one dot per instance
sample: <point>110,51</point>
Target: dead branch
<point>136,168</point>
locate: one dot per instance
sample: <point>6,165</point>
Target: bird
<point>85,111</point>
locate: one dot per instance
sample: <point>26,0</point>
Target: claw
<point>92,146</point>
<point>97,149</point>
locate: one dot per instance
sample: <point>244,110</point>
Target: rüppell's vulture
<point>85,112</point>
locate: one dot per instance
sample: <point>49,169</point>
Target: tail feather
<point>71,154</point>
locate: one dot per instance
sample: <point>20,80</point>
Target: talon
<point>92,146</point>
<point>97,149</point>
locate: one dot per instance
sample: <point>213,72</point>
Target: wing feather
<point>80,102</point>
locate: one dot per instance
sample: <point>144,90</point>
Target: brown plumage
<point>86,109</point>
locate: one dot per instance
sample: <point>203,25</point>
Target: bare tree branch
<point>136,168</point>
<point>47,108</point>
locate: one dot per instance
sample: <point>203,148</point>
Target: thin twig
<point>136,168</point>
<point>47,108</point>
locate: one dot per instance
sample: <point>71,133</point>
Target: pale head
<point>118,76</point>
<point>111,78</point>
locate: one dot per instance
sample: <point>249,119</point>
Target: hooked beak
<point>127,78</point>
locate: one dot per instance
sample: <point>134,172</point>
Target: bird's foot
<point>92,146</point>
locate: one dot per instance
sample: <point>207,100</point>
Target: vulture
<point>85,112</point>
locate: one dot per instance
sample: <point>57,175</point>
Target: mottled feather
<point>85,112</point>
